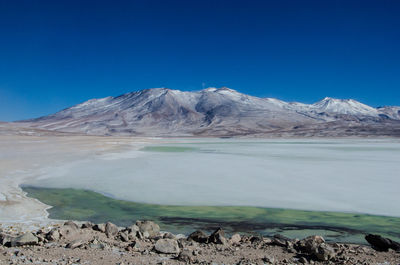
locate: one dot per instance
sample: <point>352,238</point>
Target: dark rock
<point>100,228</point>
<point>316,248</point>
<point>381,243</point>
<point>309,244</point>
<point>256,239</point>
<point>281,237</point>
<point>53,235</point>
<point>5,240</point>
<point>111,229</point>
<point>148,227</point>
<point>167,246</point>
<point>87,225</point>
<point>198,236</point>
<point>25,239</point>
<point>218,237</point>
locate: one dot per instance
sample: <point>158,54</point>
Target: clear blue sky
<point>54,54</point>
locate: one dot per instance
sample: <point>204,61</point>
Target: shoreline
<point>144,243</point>
<point>28,157</point>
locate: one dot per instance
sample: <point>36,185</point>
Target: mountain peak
<point>221,89</point>
<point>344,106</point>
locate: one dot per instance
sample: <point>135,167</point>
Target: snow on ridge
<point>131,108</point>
<point>344,106</point>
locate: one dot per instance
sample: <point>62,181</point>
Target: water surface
<point>341,175</point>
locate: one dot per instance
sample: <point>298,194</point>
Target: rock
<point>324,252</point>
<point>218,237</point>
<point>310,244</point>
<point>5,239</point>
<point>316,247</point>
<point>111,229</point>
<point>169,235</point>
<point>198,236</point>
<point>25,239</point>
<point>74,244</point>
<point>100,228</point>
<point>68,229</point>
<point>72,224</point>
<point>280,240</point>
<point>146,234</point>
<point>53,235</point>
<point>256,239</point>
<point>87,225</point>
<point>167,246</point>
<point>124,236</point>
<point>186,256</point>
<point>148,226</point>
<point>266,240</point>
<point>133,228</point>
<point>381,243</point>
<point>235,239</point>
<point>134,246</point>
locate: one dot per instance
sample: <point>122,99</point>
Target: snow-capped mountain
<point>216,112</point>
<point>344,106</point>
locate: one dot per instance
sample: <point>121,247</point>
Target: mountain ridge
<point>218,112</point>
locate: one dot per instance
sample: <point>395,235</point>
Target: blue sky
<point>54,54</point>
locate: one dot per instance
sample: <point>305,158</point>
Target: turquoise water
<point>339,227</point>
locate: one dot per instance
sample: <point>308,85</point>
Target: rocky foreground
<point>143,243</point>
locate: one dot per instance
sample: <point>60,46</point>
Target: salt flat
<point>25,158</point>
<point>347,175</point>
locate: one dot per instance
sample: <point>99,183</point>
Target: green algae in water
<point>77,204</point>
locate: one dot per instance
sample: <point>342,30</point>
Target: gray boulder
<point>167,246</point>
<point>148,227</point>
<point>25,239</point>
<point>74,244</point>
<point>111,229</point>
<point>235,239</point>
<point>72,224</point>
<point>69,229</point>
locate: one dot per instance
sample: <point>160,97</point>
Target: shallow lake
<point>342,175</point>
